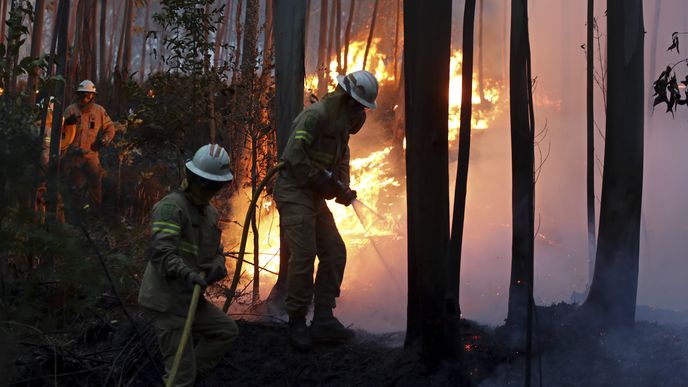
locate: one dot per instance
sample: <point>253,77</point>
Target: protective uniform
<point>318,142</point>
<point>94,130</point>
<point>185,239</point>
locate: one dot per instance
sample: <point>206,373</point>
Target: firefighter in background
<point>316,168</point>
<point>185,242</point>
<point>93,129</point>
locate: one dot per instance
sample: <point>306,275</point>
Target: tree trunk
<point>460,189</point>
<point>144,39</point>
<point>590,156</point>
<point>59,106</point>
<point>102,77</point>
<point>612,296</point>
<point>219,36</point>
<point>322,50</point>
<point>396,42</point>
<point>128,39</point>
<point>481,68</point>
<point>654,37</point>
<point>116,10</point>
<point>522,160</point>
<point>427,35</point>
<point>338,34</point>
<point>36,39</point>
<point>373,20</point>
<point>290,27</point>
<point>330,42</point>
<point>86,33</point>
<point>347,36</point>
<point>3,19</point>
<point>238,49</point>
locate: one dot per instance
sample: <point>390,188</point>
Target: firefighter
<point>316,168</point>
<point>186,242</point>
<point>93,129</point>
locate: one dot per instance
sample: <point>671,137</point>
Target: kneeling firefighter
<point>185,251</point>
<point>316,168</point>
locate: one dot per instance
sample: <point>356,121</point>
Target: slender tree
<point>373,21</point>
<point>322,50</point>
<point>102,77</point>
<point>3,18</point>
<point>59,92</point>
<point>522,159</point>
<point>36,40</point>
<point>144,39</point>
<point>590,156</point>
<point>654,37</point>
<point>219,37</point>
<point>612,297</point>
<point>128,39</point>
<point>347,35</point>
<point>427,35</point>
<point>290,27</point>
<point>461,187</point>
<point>338,34</point>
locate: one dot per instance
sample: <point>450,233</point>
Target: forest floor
<point>105,355</point>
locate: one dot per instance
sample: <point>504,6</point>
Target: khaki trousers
<point>214,330</point>
<point>310,233</point>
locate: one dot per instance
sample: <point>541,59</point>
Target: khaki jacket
<point>184,237</point>
<point>319,140</point>
<point>94,122</point>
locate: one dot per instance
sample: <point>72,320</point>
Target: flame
<point>484,110</point>
<point>485,106</point>
<point>370,176</point>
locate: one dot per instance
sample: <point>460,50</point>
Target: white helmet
<point>211,162</point>
<point>87,86</point>
<point>361,85</point>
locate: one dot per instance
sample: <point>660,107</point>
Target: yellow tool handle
<point>185,334</point>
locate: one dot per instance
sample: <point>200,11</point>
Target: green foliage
<point>188,27</point>
<point>17,30</point>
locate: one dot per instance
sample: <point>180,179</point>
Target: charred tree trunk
<point>457,225</point>
<point>322,50</point>
<point>290,26</point>
<point>427,35</point>
<point>612,296</point>
<point>347,36</point>
<point>590,155</point>
<point>60,105</point>
<point>111,47</point>
<point>36,38</point>
<point>86,40</point>
<point>522,160</point>
<point>373,20</point>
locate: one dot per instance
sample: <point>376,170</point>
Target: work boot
<point>299,337</point>
<point>326,328</point>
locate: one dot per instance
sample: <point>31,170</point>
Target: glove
<point>72,120</point>
<point>214,271</point>
<point>193,278</point>
<point>347,197</point>
<point>327,185</point>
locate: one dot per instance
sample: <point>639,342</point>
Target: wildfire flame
<point>371,175</point>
